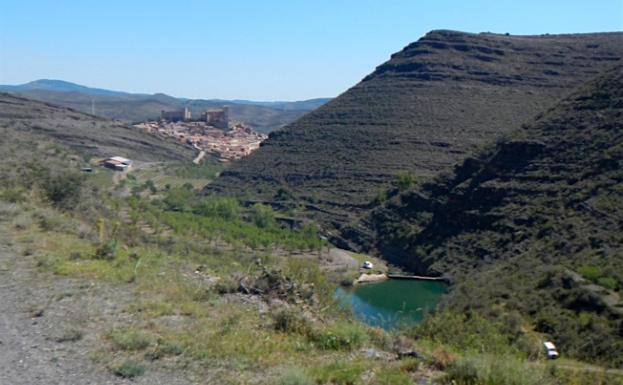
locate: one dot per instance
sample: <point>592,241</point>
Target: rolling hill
<point>430,106</point>
<point>34,121</point>
<point>534,224</point>
<point>262,116</point>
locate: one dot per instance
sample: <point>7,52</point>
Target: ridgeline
<point>430,106</point>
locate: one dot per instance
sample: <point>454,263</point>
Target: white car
<point>367,265</point>
<point>550,350</point>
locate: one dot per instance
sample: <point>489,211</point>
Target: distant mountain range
<point>263,116</point>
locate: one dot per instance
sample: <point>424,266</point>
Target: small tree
<point>263,216</point>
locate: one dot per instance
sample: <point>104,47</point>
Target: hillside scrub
<point>530,226</point>
<point>216,288</point>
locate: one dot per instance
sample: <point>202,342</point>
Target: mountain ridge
<point>427,108</point>
<point>532,223</point>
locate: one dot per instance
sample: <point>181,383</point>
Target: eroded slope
<point>427,108</point>
<point>534,225</point>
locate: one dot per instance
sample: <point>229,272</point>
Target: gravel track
<point>51,327</point>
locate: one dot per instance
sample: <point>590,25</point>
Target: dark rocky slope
<point>427,108</point>
<point>86,133</point>
<point>534,225</point>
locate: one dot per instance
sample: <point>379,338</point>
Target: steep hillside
<point>533,225</point>
<point>89,134</point>
<point>428,107</point>
<point>262,116</point>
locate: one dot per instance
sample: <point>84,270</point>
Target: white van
<point>367,265</point>
<point>550,350</point>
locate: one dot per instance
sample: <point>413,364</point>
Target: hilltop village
<point>213,132</point>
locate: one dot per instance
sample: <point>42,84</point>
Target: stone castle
<point>215,117</point>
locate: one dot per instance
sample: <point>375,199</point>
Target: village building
<point>214,134</point>
<point>183,115</point>
<point>117,163</point>
<point>217,117</point>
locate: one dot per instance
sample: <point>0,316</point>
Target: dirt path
<point>197,160</point>
<point>51,327</point>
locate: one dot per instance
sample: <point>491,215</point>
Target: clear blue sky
<point>255,49</point>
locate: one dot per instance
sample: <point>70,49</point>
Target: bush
<point>291,321</point>
<point>496,369</point>
<point>13,195</point>
<point>462,372</point>
<point>107,250</point>
<point>340,373</point>
<point>473,332</point>
<point>591,273</point>
<point>608,282</point>
<point>340,336</point>
<point>392,377</point>
<point>179,199</point>
<point>130,369</point>
<point>406,180</point>
<point>263,216</point>
<point>130,339</point>
<point>62,189</point>
<point>225,208</point>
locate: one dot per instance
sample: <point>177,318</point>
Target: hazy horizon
<point>267,51</point>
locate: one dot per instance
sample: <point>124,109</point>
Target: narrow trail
<point>197,160</point>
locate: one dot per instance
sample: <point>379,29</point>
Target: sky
<point>254,49</point>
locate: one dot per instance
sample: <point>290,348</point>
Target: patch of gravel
<point>51,327</point>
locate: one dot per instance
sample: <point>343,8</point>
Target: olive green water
<point>392,303</point>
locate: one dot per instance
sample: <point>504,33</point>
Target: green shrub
<point>13,195</point>
<point>130,369</point>
<point>291,321</point>
<point>262,216</point>
<point>591,273</point>
<point>462,372</point>
<point>380,198</point>
<point>106,250</point>
<point>151,186</point>
<point>391,376</point>
<point>129,339</point>
<point>284,194</point>
<point>405,180</point>
<point>340,373</point>
<point>63,188</point>
<point>340,336</point>
<point>463,332</point>
<point>179,199</point>
<point>226,208</point>
<point>608,282</point>
<point>494,370</point>
<point>164,348</point>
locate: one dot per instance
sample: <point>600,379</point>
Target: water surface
<point>392,303</point>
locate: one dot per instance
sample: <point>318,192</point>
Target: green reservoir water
<point>392,303</point>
